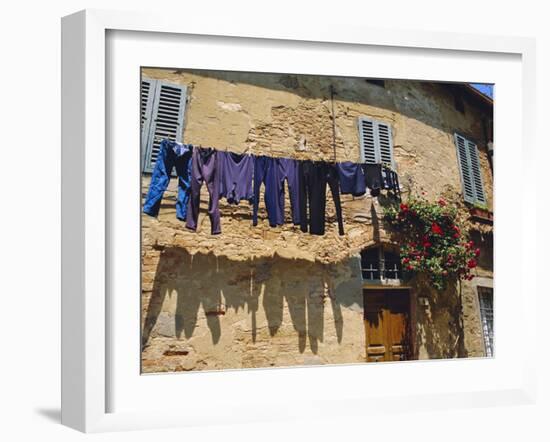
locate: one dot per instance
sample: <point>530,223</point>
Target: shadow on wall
<point>186,287</point>
<point>484,241</point>
<point>440,329</point>
<point>402,99</point>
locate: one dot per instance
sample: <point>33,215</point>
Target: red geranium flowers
<point>432,241</point>
<point>437,229</point>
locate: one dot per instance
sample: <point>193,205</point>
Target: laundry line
<point>240,176</point>
<point>301,155</point>
<point>350,177</point>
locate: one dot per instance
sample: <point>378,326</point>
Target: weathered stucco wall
<point>211,312</point>
<point>290,115</point>
<point>262,296</point>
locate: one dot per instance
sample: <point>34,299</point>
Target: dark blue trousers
<point>266,171</point>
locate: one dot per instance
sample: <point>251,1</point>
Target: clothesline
<point>294,156</point>
<point>239,176</point>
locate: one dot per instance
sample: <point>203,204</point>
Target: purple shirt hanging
<point>235,176</point>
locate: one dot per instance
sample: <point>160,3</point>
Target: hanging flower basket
<point>431,241</point>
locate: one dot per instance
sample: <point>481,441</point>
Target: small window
<point>370,263</point>
<point>376,142</point>
<point>381,83</point>
<point>392,265</point>
<point>486,314</point>
<point>470,170</point>
<point>162,116</point>
<point>379,264</point>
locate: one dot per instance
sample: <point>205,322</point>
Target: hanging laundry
<point>313,179</point>
<point>171,154</point>
<point>235,171</point>
<point>288,170</point>
<point>266,171</point>
<point>352,178</point>
<point>230,175</point>
<point>390,181</point>
<point>373,177</point>
<point>204,168</point>
<point>332,179</point>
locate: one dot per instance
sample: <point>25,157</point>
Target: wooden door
<point>387,325</point>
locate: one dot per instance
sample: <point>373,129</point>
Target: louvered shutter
<point>385,144</point>
<point>470,171</point>
<point>367,141</point>
<point>376,142</point>
<point>167,118</point>
<point>476,172</point>
<point>147,98</point>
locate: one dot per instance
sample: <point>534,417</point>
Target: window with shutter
<point>162,116</point>
<point>376,142</point>
<point>470,170</point>
<point>147,95</point>
<point>385,144</point>
<point>486,314</point>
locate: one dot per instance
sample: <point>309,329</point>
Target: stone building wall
<point>262,296</point>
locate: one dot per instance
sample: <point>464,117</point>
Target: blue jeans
<point>171,155</point>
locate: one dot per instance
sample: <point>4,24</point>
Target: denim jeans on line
<point>171,154</point>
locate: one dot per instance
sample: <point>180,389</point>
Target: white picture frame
<point>89,314</point>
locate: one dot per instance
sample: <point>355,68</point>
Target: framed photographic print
<point>249,212</point>
<point>326,238</point>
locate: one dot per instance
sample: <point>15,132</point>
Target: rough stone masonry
<point>269,297</point>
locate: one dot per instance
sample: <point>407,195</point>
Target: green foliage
<point>431,241</point>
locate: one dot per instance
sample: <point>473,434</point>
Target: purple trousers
<point>288,170</point>
<point>273,172</point>
<point>204,168</point>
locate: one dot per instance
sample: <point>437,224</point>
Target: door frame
<point>413,300</point>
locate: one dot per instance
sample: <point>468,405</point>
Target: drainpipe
<point>488,143</point>
<point>490,148</point>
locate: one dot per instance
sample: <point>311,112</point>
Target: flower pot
<point>481,214</point>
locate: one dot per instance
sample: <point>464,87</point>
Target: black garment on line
<point>391,182</point>
<point>373,177</point>
<point>313,177</point>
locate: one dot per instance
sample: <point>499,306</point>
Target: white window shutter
<point>167,117</point>
<point>385,144</point>
<point>367,141</point>
<point>470,171</point>
<point>376,142</point>
<point>147,97</point>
